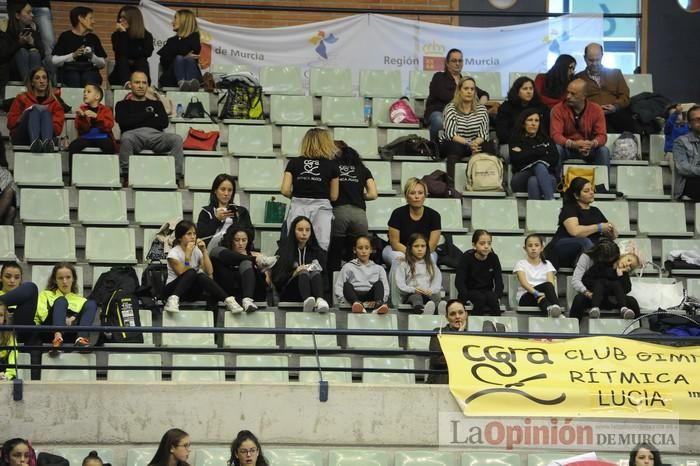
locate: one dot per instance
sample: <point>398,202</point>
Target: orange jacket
<point>104,120</point>
<point>26,100</point>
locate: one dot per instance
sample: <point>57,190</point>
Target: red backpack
<point>401,112</point>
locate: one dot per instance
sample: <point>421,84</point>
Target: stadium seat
<point>154,208</point>
<point>509,250</point>
<point>610,326</point>
<point>610,144</point>
<point>331,81</point>
<point>141,456</point>
<point>73,97</point>
<point>310,320</point>
<point>388,378</point>
<point>372,322</point>
<point>495,215</point>
<point>552,325</point>
<point>394,133</point>
<point>146,318</point>
<point>668,245</point>
<point>662,219</point>
<point>101,207</point>
<point>250,141</point>
<point>358,457</point>
<point>423,458</point>
<point>617,212</point>
<point>11,90</point>
<point>76,455</point>
<point>95,171</point>
<point>267,242</point>
<point>450,211</point>
<point>491,458</point>
<point>490,81</point>
<point>260,175</point>
<point>423,322</point>
<point>363,140</point>
<point>542,216</point>
<point>118,95</point>
<point>379,211</point>
<point>7,243</point>
<point>294,456</point>
<point>213,456</point>
<point>419,170</point>
<point>463,242</point>
<point>639,83</point>
<point>257,209</point>
<point>281,79</point>
<point>259,319</point>
<point>544,459</point>
<point>512,284</point>
<point>644,183</point>
<point>262,376</point>
<point>381,115</point>
<point>134,360</point>
<point>187,374</point>
<point>48,362</point>
<point>201,171</point>
<point>657,154</point>
<point>342,111</point>
<point>513,75</point>
<point>419,83</point>
<point>381,83</point>
<point>476,323</point>
<point>41,274</point>
<point>49,244</point>
<point>188,318</point>
<point>110,245</point>
<point>41,170</point>
<point>381,171</point>
<point>184,98</point>
<point>228,68</point>
<point>326,361</point>
<point>292,110</point>
<point>44,206</point>
<point>152,171</point>
<point>644,246</point>
<point>291,140</point>
<point>182,129</point>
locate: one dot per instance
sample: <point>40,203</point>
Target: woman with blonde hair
<point>132,45</point>
<point>312,183</point>
<point>179,57</point>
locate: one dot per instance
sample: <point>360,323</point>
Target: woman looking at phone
<point>221,213</point>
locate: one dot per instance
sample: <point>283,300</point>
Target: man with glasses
<point>607,87</point>
<point>686,159</point>
<point>577,127</point>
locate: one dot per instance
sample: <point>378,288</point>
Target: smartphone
<point>232,208</point>
<point>27,30</point>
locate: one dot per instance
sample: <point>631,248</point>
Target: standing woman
<point>246,451</point>
<point>551,86</point>
<point>521,96</point>
<point>221,213</point>
<point>36,117</point>
<point>132,45</point>
<point>179,57</point>
<point>173,450</point>
<point>533,157</point>
<point>466,126</point>
<point>311,181</point>
<point>25,39</point>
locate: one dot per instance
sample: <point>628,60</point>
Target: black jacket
<point>208,224</point>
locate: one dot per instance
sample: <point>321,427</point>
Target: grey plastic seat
<point>257,209</point>
<point>201,171</point>
<point>260,175</point>
<point>358,457</point>
<point>331,81</point>
<point>95,171</point>
<point>423,458</point>
<point>512,284</point>
<point>268,242</point>
<point>509,250</point>
<point>184,373</point>
<point>291,140</point>
<point>388,378</point>
<point>152,171</point>
<point>617,212</point>
<point>259,319</point>
<point>611,326</point>
<point>228,68</point>
<point>381,115</point>
<point>294,456</point>
<point>662,219</point>
<point>543,216</point>
<point>490,81</point>
<point>310,320</point>
<point>49,244</point>
<point>363,140</point>
<point>423,322</point>
<point>544,459</point>
<point>184,98</point>
<point>638,182</point>
<point>450,211</point>
<point>553,325</point>
<point>379,211</point>
<point>419,83</point>
<point>213,456</point>
<point>140,456</point>
<point>41,170</point>
<point>7,243</point>
<point>157,207</point>
<point>281,79</point>
<point>419,170</point>
<point>68,375</point>
<point>326,361</point>
<point>262,376</point>
<point>134,360</point>
<point>110,245</point>
<point>250,141</point>
<point>476,323</point>
<point>372,322</point>
<point>381,83</point>
<point>381,171</point>
<point>342,111</point>
<point>639,83</point>
<point>188,319</point>
<point>292,110</point>
<point>44,206</point>
<point>491,458</point>
<point>495,215</point>
<point>656,150</point>
<point>101,207</point>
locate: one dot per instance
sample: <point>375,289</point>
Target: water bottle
<point>180,110</point>
<point>368,110</point>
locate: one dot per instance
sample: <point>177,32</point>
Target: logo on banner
<point>433,57</point>
<point>320,39</point>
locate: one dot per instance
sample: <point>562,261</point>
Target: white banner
<point>386,42</point>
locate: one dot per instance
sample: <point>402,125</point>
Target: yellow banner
<point>583,377</point>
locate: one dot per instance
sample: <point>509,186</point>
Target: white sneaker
<point>554,310</point>
<point>309,304</point>
<point>232,305</point>
<point>594,313</point>
<point>442,308</point>
<point>627,313</point>
<point>249,305</point>
<point>172,304</point>
<point>322,306</point>
<point>429,308</point>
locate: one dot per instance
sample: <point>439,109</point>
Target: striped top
<point>468,125</point>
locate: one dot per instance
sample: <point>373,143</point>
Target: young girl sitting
<point>419,280</point>
<point>92,459</point>
<point>478,277</point>
<point>190,271</point>
<point>94,122</point>
<point>605,280</point>
<point>8,357</point>
<point>362,282</point>
<point>299,273</point>
<point>536,277</point>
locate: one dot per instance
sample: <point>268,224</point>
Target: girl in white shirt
<point>536,277</point>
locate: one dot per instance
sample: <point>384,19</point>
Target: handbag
<point>195,109</point>
<point>274,211</point>
<point>575,172</point>
<point>654,296</point>
<point>198,139</point>
<point>448,254</point>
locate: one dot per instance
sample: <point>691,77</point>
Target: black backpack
<point>411,144</point>
<point>116,292</point>
<point>448,254</point>
<point>153,279</point>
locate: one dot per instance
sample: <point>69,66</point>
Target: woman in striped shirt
<point>466,126</point>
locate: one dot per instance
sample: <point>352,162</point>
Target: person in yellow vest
<point>60,304</point>
<point>18,298</point>
<point>8,357</point>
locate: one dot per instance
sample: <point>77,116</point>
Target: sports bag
<point>153,279</point>
<point>440,184</point>
<point>575,172</point>
<point>484,173</point>
<point>411,144</point>
<point>242,100</point>
<point>115,292</point>
<point>401,112</point>
<point>625,147</point>
<point>198,139</point>
<point>448,254</point>
<point>163,242</point>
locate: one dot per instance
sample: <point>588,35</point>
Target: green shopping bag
<point>274,211</point>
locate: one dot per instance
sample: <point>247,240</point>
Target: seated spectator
<point>8,357</point>
<point>676,125</point>
<point>534,158</point>
<point>62,304</point>
<point>246,450</point>
<point>466,126</point>
<point>414,217</point>
<point>179,57</point>
<point>607,87</point>
<point>19,298</point>
<point>478,279</point>
<point>94,122</point>
<point>537,283</point>
<point>16,452</point>
<point>361,282</point>
<point>456,316</point>
<point>418,278</point>
<point>551,86</point>
<point>686,159</point>
<point>26,41</point>
<point>142,119</point>
<point>132,45</point>
<point>578,128</point>
<point>221,213</point>
<point>581,225</point>
<point>190,272</point>
<point>646,454</point>
<point>36,117</point>
<point>8,192</point>
<point>521,96</point>
<point>173,450</point>
<point>78,54</point>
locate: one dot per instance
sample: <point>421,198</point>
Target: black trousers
<point>485,302</point>
<point>375,293</point>
<point>550,297</point>
<point>304,285</point>
<point>190,286</point>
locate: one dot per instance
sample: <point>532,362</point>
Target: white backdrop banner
<point>372,41</point>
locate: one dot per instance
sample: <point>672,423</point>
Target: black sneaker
<point>37,146</point>
<point>49,147</point>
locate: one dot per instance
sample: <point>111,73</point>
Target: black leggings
<point>581,303</point>
<point>237,274</point>
<point>190,286</point>
<point>375,293</point>
<point>304,285</point>
<point>106,145</point>
<point>25,298</point>
<point>603,288</point>
<point>550,297</point>
<point>485,303</point>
